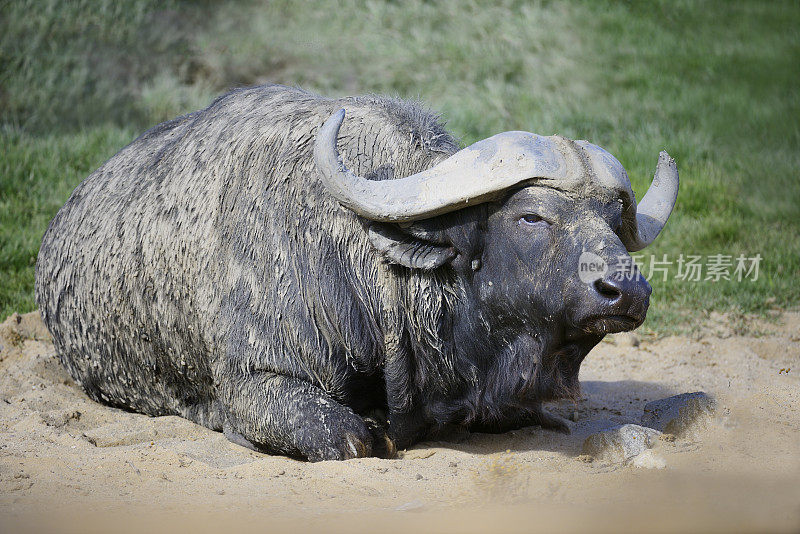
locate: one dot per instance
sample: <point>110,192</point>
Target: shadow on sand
<point>602,405</point>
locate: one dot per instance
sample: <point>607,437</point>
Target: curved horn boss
<point>484,170</point>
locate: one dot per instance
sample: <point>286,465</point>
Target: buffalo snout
<point>618,302</point>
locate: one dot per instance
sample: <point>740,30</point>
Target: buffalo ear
<point>411,247</point>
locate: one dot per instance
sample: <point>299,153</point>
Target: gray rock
<point>620,443</point>
<point>649,459</point>
<point>678,414</point>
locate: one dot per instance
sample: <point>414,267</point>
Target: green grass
<point>715,83</point>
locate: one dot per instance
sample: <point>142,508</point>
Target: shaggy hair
<point>204,271</point>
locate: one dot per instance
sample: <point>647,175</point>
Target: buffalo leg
<point>286,415</point>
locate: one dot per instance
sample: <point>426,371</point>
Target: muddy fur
<point>204,271</point>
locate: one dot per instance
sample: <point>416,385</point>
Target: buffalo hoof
<point>356,447</point>
<point>382,445</point>
<point>350,439</point>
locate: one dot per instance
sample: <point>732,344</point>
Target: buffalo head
<point>560,220</point>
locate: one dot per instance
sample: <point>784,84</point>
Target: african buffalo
<point>334,278</point>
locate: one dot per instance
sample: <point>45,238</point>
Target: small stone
<point>680,413</point>
<point>573,416</point>
<point>453,464</point>
<point>648,459</point>
<point>586,458</point>
<point>620,443</point>
<point>419,477</point>
<point>281,472</point>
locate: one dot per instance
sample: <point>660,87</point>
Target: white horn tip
<point>334,122</point>
<point>664,158</point>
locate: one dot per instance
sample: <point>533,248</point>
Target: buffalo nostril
<point>607,290</point>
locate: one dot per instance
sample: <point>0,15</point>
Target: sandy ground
<point>70,464</point>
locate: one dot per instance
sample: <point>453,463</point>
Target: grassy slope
<point>715,83</point>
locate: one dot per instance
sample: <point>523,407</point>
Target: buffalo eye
<point>533,220</point>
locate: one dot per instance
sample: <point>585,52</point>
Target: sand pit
<point>62,454</point>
